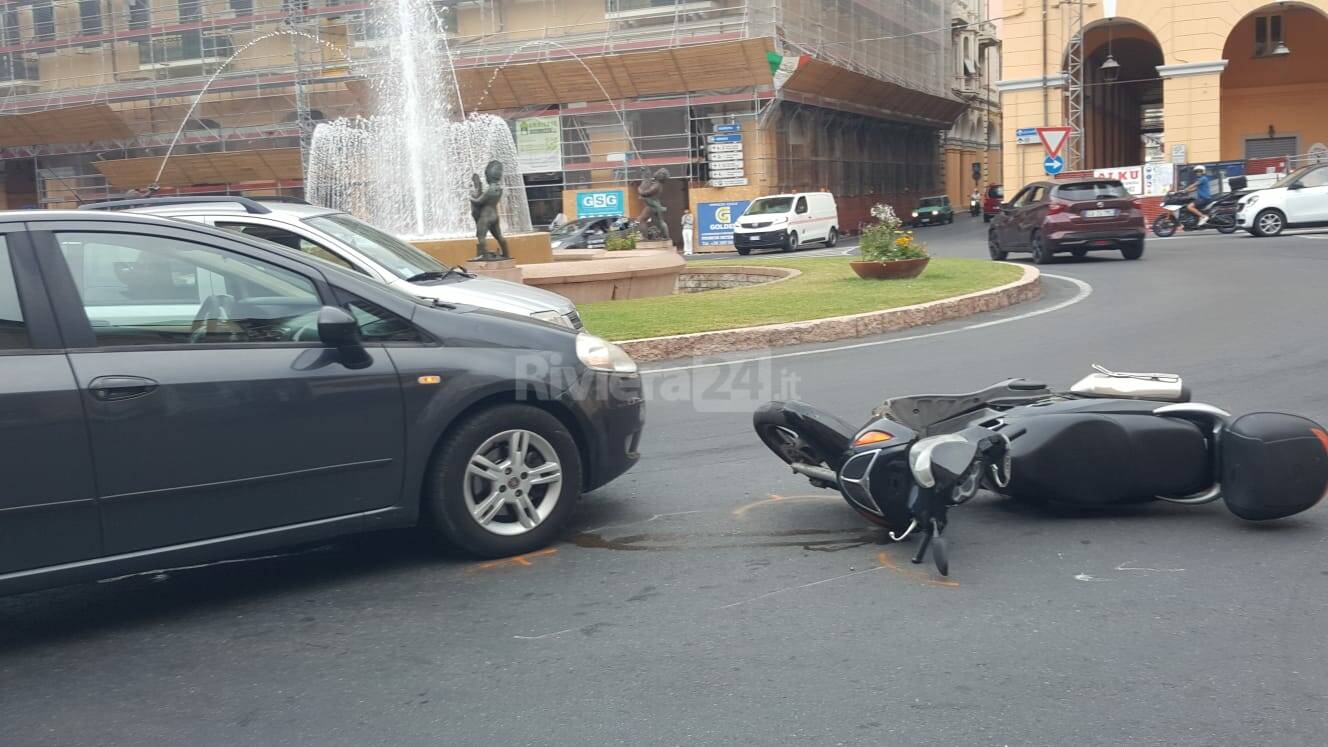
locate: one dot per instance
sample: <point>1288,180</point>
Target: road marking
<point>783,499</point>
<point>1084,291</point>
<point>515,560</point>
<point>914,575</point>
<point>1307,236</point>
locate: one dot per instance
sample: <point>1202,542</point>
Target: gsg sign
<point>606,202</point>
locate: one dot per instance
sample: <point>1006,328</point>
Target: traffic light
<point>977,171</point>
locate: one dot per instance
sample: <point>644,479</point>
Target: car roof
<point>213,205</point>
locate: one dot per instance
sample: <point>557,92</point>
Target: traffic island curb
<point>648,349</point>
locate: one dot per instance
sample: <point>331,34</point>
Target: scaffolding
<point>238,75</point>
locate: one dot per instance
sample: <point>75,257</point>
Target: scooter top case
<point>1100,452</point>
<point>1273,465</point>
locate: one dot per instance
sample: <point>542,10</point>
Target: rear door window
<point>802,205</point>
<point>1087,191</point>
<point>13,329</point>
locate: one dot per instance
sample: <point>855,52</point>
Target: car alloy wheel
<point>513,481</point>
<point>1040,253</point>
<point>994,246</point>
<point>1269,223</point>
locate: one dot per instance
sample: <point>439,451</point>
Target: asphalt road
<point>710,597</point>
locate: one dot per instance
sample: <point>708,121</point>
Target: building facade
<point>973,145</point>
<point>851,96</point>
<point>1167,81</point>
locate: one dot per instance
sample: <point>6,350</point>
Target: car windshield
<point>1092,191</point>
<point>567,229</point>
<point>1293,177</point>
<point>932,202</point>
<point>770,206</point>
<point>393,254</point>
<point>996,193</point>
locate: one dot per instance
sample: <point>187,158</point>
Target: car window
<point>1035,195</point>
<point>288,239</point>
<point>151,290</point>
<point>377,324</point>
<point>802,205</point>
<point>1316,178</point>
<point>996,193</point>
<point>769,206</point>
<point>1028,196</point>
<point>393,254</point>
<point>1107,190</point>
<point>13,330</point>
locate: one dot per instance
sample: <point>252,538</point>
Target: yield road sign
<point>1054,165</point>
<point>1053,138</point>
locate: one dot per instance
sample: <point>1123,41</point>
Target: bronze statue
<point>484,209</point>
<point>652,216</point>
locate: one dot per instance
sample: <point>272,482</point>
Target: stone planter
<point>896,270</point>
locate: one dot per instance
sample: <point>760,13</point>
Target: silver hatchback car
<point>346,241</point>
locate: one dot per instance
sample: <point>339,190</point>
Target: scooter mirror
<point>939,461</point>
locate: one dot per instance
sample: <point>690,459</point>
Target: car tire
<point>1041,255</point>
<point>1133,251</point>
<point>455,497</point>
<point>791,243</point>
<point>831,239</point>
<point>1269,223</point>
<point>744,250</point>
<point>994,247</point>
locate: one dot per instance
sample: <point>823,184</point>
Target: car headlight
<point>553,317</point>
<point>915,213</point>
<point>601,355</point>
<point>1251,199</point>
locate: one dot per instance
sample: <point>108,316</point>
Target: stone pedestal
<point>525,248</point>
<point>658,246</point>
<point>502,269</point>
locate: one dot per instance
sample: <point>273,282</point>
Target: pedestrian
<point>559,221</point>
<point>687,223</point>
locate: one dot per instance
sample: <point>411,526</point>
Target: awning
<point>232,167</point>
<point>77,124</point>
<point>821,83</point>
<point>627,75</point>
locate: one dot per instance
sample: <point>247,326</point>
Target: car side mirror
<point>1297,185</point>
<point>338,329</point>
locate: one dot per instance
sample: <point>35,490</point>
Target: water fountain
<point>407,167</point>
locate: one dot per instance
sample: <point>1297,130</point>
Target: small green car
<point>933,211</point>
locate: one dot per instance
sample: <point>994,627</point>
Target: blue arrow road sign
<point>724,139</point>
<point>728,128</point>
<point>1054,164</point>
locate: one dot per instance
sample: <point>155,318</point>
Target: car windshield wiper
<point>431,275</point>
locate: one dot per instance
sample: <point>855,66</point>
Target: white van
<point>787,221</point>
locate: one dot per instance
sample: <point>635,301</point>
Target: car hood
<point>491,293</point>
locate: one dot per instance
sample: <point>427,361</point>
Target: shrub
<point>886,241</point>
<point>620,242</point>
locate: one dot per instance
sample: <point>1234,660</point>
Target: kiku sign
<point>714,221</point>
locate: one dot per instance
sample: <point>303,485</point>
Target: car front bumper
<point>612,411</point>
<point>761,239</point>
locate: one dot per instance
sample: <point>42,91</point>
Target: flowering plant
<point>886,240</point>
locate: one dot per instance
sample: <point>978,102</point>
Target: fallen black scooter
<point>1114,438</point>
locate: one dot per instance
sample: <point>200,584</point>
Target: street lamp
<point>1281,50</point>
<point>1110,69</point>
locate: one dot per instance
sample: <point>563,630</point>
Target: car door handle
<point>114,388</point>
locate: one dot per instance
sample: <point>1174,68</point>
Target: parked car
<point>787,222</point>
<point>991,201</point>
<point>1073,216</point>
<point>344,240</point>
<point>1298,200</point>
<point>176,394</point>
<point>584,233</point>
<point>933,211</point>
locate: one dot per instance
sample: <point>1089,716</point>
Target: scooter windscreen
<point>1273,465</point>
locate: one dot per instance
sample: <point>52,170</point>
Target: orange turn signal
<point>872,437</point>
<point>430,379</point>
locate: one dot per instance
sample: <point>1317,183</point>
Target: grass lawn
<point>827,287</point>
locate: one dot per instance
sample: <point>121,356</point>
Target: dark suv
<point>174,394</point>
<point>1072,216</point>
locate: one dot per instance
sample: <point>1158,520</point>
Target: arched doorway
<point>1122,102</point>
<point>1275,85</point>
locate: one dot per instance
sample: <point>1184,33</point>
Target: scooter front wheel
<point>1164,226</point>
<point>1227,228</point>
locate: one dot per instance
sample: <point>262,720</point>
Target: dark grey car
<point>177,394</point>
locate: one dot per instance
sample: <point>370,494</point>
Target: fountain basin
<point>526,248</point>
<point>638,273</point>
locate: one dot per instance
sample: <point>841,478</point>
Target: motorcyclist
<point>1203,195</point>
